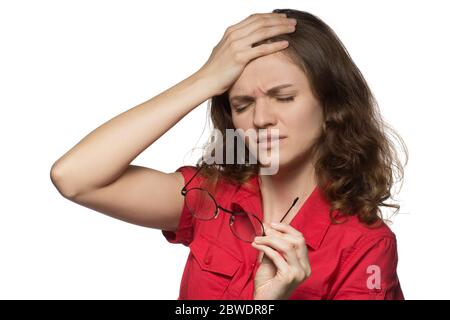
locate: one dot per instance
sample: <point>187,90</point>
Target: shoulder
<point>187,170</point>
<point>356,230</point>
<point>200,179</point>
<point>356,238</point>
<point>191,172</point>
<point>367,266</point>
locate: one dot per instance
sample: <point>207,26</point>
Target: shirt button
<point>207,260</point>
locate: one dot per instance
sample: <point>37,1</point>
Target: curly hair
<point>356,159</point>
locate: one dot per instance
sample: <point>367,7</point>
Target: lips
<point>269,139</point>
<point>270,142</point>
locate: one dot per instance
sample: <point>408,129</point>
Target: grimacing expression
<point>291,108</point>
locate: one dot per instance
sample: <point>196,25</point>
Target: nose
<point>263,116</point>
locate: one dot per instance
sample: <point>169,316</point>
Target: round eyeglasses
<point>203,206</point>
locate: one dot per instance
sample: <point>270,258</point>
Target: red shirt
<point>348,260</point>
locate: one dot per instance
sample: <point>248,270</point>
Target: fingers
<point>277,260</point>
<point>290,242</point>
<point>251,53</point>
<point>297,237</point>
<point>262,50</point>
<point>238,39</point>
<point>294,236</point>
<point>252,18</point>
<point>286,248</point>
<point>266,32</point>
<point>286,228</point>
<point>258,25</point>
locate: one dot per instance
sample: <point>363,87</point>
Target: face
<point>292,110</point>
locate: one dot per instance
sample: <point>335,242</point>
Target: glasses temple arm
<point>183,191</point>
<point>293,204</point>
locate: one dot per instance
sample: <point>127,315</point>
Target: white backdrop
<point>66,67</point>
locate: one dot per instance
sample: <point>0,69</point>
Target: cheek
<point>238,121</point>
<point>243,124</point>
<point>306,124</point>
<point>244,121</point>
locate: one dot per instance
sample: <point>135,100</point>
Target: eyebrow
<point>271,92</point>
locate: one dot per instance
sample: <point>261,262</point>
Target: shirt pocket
<point>212,269</point>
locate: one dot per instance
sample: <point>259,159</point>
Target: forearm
<point>104,154</point>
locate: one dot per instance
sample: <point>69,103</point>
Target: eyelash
<point>284,100</point>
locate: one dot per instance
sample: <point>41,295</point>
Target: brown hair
<point>356,159</point>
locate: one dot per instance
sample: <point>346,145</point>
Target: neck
<point>280,190</point>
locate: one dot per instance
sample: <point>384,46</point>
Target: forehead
<point>267,72</point>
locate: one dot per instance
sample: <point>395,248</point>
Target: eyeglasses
<point>203,206</point>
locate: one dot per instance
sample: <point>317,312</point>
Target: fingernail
<point>274,224</point>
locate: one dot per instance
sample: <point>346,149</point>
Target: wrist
<point>273,295</point>
<point>207,82</point>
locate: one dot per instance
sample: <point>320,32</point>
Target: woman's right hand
<point>234,51</point>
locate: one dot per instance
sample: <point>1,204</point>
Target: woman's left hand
<point>285,264</point>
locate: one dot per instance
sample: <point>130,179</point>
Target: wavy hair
<point>356,158</point>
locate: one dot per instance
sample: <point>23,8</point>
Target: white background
<point>66,67</point>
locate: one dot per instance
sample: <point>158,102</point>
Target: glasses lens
<point>200,204</point>
<point>245,226</point>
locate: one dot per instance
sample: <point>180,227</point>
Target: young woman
<point>334,158</point>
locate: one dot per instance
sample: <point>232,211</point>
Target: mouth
<point>269,142</point>
<point>269,139</point>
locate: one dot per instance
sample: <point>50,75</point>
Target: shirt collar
<point>312,219</point>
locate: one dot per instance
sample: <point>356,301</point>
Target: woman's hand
<point>279,273</point>
<point>234,50</point>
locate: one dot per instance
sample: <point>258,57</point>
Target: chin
<point>286,159</point>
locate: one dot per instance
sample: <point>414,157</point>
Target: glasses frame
<point>184,191</point>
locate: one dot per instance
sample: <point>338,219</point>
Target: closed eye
<point>241,109</point>
<point>286,99</point>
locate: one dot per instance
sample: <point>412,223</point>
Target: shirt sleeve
<point>185,230</point>
<point>370,272</point>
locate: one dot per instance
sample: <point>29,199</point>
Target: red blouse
<point>348,260</point>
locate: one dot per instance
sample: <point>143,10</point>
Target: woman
<point>331,151</point>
